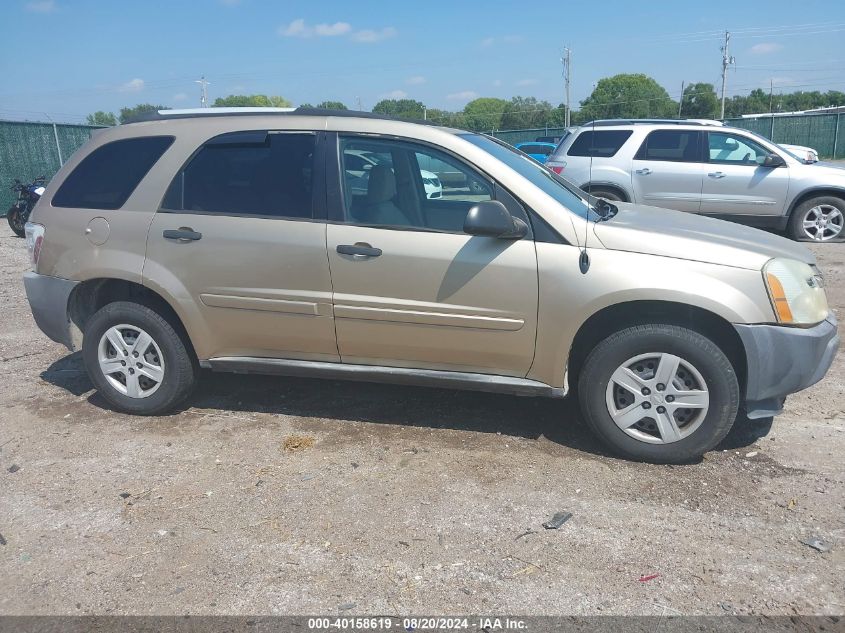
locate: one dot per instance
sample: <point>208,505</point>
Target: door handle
<point>359,249</point>
<point>645,171</point>
<point>183,234</point>
<point>716,174</point>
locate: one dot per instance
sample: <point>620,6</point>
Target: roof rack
<point>201,113</point>
<point>609,122</point>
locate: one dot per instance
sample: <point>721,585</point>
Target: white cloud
<point>526,82</point>
<point>331,30</point>
<point>512,39</point>
<point>368,36</point>
<point>764,48</point>
<point>395,94</point>
<point>415,81</point>
<point>465,95</point>
<point>41,6</point>
<point>487,42</point>
<point>180,96</point>
<point>133,85</point>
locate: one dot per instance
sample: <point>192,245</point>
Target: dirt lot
<point>395,500</point>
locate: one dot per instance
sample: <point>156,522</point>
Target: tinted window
<point>603,144</point>
<point>671,145</point>
<point>537,149</point>
<point>734,149</point>
<point>107,176</point>
<point>267,178</point>
<point>394,183</point>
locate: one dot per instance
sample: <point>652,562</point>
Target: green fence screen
<point>28,150</point>
<point>822,132</point>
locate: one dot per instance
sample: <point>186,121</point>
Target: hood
<point>655,231</point>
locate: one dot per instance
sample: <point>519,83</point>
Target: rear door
<point>668,169</point>
<point>240,248</point>
<point>736,182</point>
<point>420,292</point>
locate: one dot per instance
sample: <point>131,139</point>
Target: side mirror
<point>490,218</point>
<point>773,160</point>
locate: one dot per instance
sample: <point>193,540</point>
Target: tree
<point>526,112</point>
<point>700,102</point>
<point>332,105</point>
<point>102,118</point>
<point>127,114</point>
<point>400,108</point>
<point>251,101</point>
<point>634,96</point>
<point>446,118</point>
<point>484,113</point>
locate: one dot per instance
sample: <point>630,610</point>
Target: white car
<point>359,163</point>
<point>806,154</point>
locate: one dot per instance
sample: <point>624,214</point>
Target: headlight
<point>796,292</point>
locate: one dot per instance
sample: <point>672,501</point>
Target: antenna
<point>584,258</point>
<point>203,91</point>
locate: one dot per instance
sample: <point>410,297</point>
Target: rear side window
<point>537,149</point>
<point>682,146</point>
<point>601,144</point>
<point>245,175</point>
<point>107,176</point>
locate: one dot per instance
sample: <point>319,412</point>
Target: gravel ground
<point>297,496</point>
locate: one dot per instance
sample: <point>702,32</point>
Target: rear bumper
<point>783,360</point>
<point>48,300</point>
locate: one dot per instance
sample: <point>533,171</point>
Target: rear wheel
<point>819,219</point>
<point>136,359</point>
<point>659,393</point>
<point>15,220</point>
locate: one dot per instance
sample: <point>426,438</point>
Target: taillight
<point>34,241</point>
<point>556,168</point>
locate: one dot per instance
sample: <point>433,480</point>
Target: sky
<point>63,59</point>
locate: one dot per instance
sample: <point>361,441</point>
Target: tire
<point>607,194</point>
<point>701,365</point>
<point>166,357</point>
<point>13,217</point>
<point>827,209</point>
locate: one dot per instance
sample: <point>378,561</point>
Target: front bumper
<point>782,360</point>
<point>48,300</point>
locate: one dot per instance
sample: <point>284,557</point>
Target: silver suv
<point>248,242</point>
<point>704,167</point>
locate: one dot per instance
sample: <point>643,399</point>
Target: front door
<point>667,170</point>
<point>239,250</point>
<point>737,183</point>
<point>410,288</point>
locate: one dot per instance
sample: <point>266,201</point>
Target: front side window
<point>682,146</point>
<point>733,149</point>
<point>601,144</point>
<point>260,174</point>
<point>398,184</point>
<point>107,176</point>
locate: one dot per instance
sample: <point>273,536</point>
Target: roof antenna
<point>584,258</point>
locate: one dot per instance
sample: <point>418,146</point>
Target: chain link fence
<point>823,132</point>
<point>28,150</point>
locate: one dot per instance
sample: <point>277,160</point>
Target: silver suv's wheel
<point>137,360</point>
<point>820,219</point>
<point>131,361</point>
<point>659,393</point>
<point>657,398</point>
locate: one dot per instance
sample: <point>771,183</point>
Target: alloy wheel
<point>131,361</point>
<point>823,222</point>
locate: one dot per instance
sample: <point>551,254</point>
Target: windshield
<point>563,191</point>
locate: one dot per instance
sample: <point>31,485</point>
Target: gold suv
<point>346,245</point>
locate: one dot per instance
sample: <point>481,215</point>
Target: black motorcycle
<point>28,195</point>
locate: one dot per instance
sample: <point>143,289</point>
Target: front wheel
<point>659,393</point>
<point>137,360</point>
<point>819,219</point>
<point>16,221</point>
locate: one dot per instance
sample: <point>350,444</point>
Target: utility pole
<point>203,91</point>
<point>567,77</point>
<point>681,100</point>
<point>727,60</point>
<point>772,107</point>
<point>358,100</point>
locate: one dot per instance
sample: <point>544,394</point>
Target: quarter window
<point>732,149</point>
<point>107,176</point>
<point>257,174</point>
<point>601,144</point>
<point>671,145</point>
